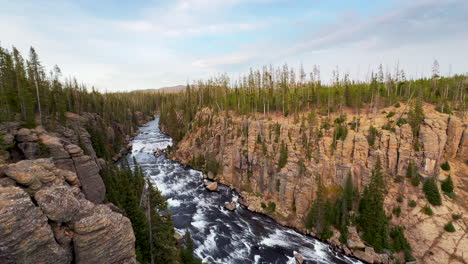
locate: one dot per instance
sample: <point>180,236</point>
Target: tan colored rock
<point>58,203</point>
<point>211,186</point>
<point>230,206</point>
<point>25,236</point>
<point>103,237</point>
<point>74,150</point>
<point>299,258</point>
<point>362,255</point>
<point>454,134</point>
<point>25,135</point>
<point>354,241</point>
<point>91,182</point>
<point>463,147</point>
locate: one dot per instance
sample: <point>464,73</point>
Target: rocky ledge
<point>46,218</point>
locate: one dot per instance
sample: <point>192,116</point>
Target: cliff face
<point>248,150</point>
<point>50,198</point>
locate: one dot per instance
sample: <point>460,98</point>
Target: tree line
<point>286,91</point>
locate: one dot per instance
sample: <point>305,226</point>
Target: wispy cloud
<point>168,42</point>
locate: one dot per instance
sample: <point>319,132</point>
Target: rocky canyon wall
<point>51,197</point>
<point>248,150</point>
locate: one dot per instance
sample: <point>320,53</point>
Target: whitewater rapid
<point>221,236</point>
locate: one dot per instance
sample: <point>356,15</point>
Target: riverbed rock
<point>298,257</point>
<point>211,186</point>
<point>230,206</point>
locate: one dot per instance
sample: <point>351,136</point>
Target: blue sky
<point>127,45</point>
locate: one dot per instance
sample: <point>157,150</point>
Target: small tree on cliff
<point>432,192</point>
<point>320,213</point>
<point>372,219</point>
<point>415,119</point>
<point>283,159</point>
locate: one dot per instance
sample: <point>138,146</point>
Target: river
<point>221,236</point>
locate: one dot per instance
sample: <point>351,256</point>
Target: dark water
<point>221,236</point>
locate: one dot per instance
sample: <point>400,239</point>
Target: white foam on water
<point>291,260</point>
<point>257,259</point>
<point>209,243</point>
<point>276,239</point>
<point>173,202</point>
<point>198,220</point>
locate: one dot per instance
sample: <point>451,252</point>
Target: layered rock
<point>25,236</point>
<point>247,150</point>
<point>64,227</point>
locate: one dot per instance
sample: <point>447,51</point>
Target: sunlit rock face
<point>248,151</point>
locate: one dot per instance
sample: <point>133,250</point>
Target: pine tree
<point>372,219</point>
<point>432,192</point>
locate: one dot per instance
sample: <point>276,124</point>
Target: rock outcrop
<point>247,151</point>
<point>25,235</point>
<point>64,226</point>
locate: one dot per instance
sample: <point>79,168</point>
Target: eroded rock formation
<point>247,150</point>
<point>45,218</point>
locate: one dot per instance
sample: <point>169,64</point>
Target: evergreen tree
<point>372,219</point>
<point>432,192</point>
<point>447,185</point>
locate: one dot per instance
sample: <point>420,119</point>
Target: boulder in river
<point>298,257</point>
<point>211,186</point>
<point>230,206</point>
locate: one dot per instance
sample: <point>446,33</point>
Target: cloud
<point>167,43</point>
<point>423,23</point>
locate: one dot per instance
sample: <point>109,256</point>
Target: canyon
<point>51,197</point>
<point>246,152</point>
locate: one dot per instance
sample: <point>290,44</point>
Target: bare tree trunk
<point>38,99</point>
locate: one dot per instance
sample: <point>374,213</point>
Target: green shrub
<point>401,121</point>
<point>451,195</point>
<point>397,211</point>
<point>212,164</point>
<point>432,192</point>
<point>456,217</point>
<point>400,243</point>
<point>444,109</point>
<point>399,199</point>
<point>449,227</point>
<point>412,203</point>
<point>445,166</point>
<point>283,159</point>
<point>427,210</point>
<point>263,205</point>
<point>415,180</point>
<point>271,207</point>
<point>447,185</point>
<point>398,179</point>
<point>391,114</point>
<point>372,136</point>
<point>397,105</point>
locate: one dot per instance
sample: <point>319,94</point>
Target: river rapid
<point>219,235</point>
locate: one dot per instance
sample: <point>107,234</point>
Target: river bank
<point>221,236</point>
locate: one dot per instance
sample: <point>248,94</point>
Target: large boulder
<point>354,241</point>
<point>58,203</point>
<point>25,236</point>
<point>91,182</point>
<point>211,186</point>
<point>103,237</point>
<point>26,135</point>
<point>29,149</point>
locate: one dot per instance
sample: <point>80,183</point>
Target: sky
<point>127,45</point>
